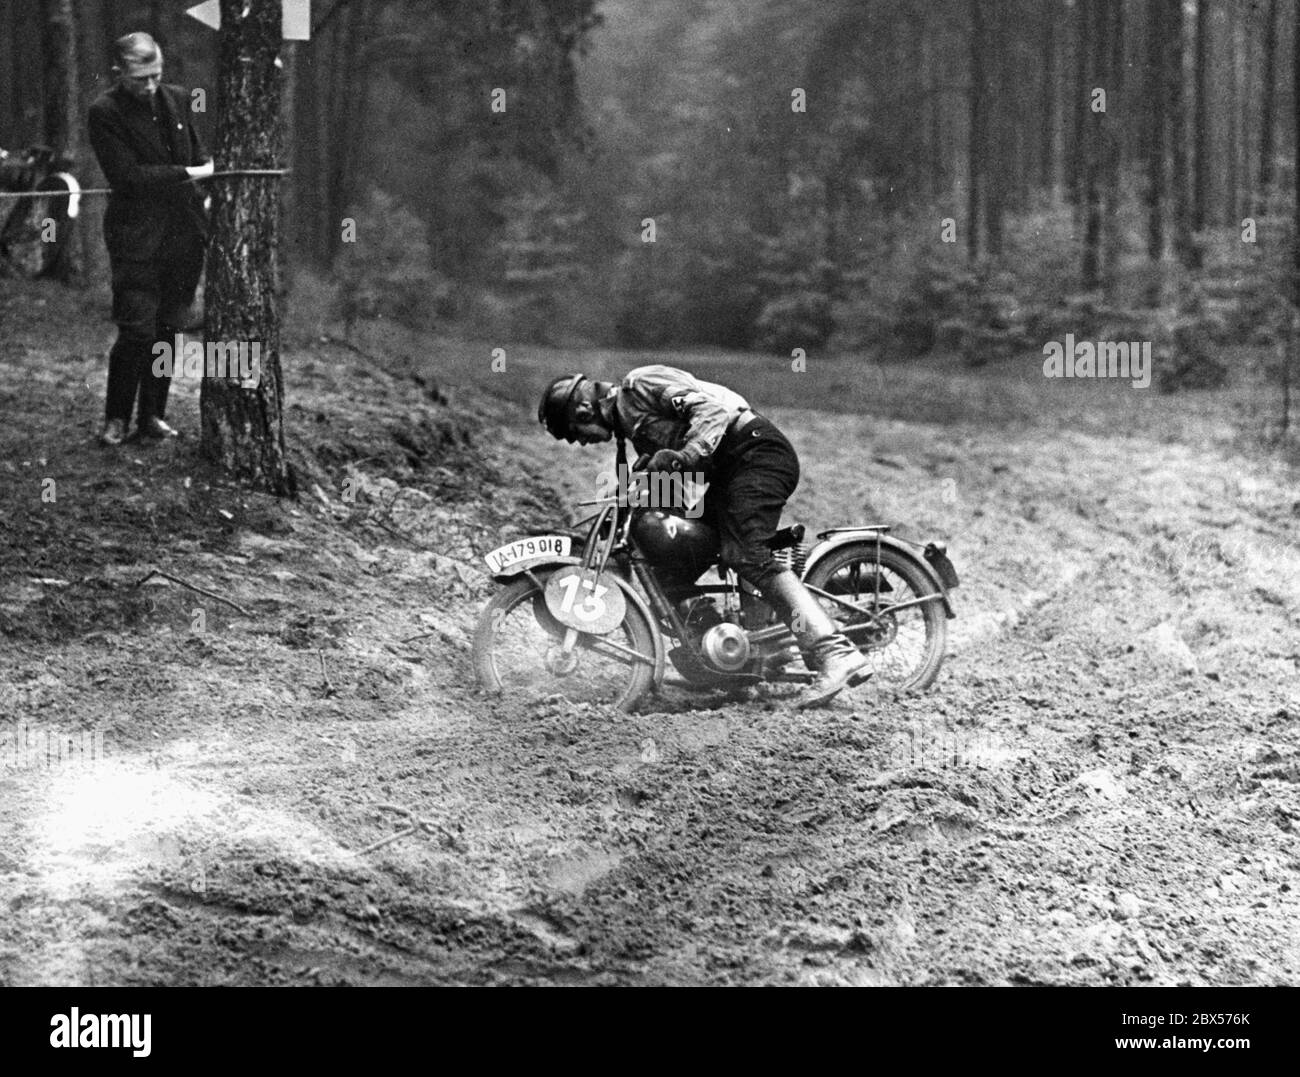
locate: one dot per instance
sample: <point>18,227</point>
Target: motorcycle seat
<point>786,537</point>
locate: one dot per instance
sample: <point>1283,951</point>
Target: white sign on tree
<point>295,17</point>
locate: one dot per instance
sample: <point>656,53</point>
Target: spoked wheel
<point>902,637</point>
<point>521,651</point>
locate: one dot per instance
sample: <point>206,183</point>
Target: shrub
<point>795,320</point>
<point>1190,359</point>
<point>390,272</point>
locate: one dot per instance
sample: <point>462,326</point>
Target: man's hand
<point>667,460</point>
<point>203,171</point>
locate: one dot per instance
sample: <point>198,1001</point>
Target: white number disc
<point>585,601</point>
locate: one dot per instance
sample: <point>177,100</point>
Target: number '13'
<point>592,606</point>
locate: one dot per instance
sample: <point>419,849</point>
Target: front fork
<point>659,604</point>
<point>561,659</point>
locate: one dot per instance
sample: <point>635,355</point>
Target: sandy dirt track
<point>1101,789</point>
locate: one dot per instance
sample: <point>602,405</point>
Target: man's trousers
<point>752,474</point>
<point>150,301</point>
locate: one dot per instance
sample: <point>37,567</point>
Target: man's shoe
<point>842,666</point>
<point>156,428</point>
<point>114,432</point>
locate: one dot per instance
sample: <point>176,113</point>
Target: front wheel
<point>888,606</point>
<point>520,652</point>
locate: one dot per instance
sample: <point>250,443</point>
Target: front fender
<point>904,549</point>
<point>549,564</point>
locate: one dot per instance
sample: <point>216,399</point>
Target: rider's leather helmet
<point>556,412</point>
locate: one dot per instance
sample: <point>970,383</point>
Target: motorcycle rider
<point>683,424</point>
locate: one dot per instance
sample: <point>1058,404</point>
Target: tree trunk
<point>1113,141</point>
<point>1095,127</point>
<point>8,77</point>
<point>978,107</point>
<point>360,63</point>
<point>1289,359</point>
<point>1047,142</point>
<point>1249,127</point>
<point>939,179</point>
<point>997,134</point>
<point>62,121</point>
<point>317,180</point>
<point>1157,90</point>
<point>300,146</point>
<point>243,428</point>
<point>1021,133</point>
<point>1234,103</point>
<point>110,24</point>
<point>1268,110</point>
<point>289,139</point>
<point>28,74</point>
<point>93,80</point>
<point>62,101</point>
<point>1178,133</point>
<point>341,117</point>
<point>1078,112</point>
<point>1202,141</point>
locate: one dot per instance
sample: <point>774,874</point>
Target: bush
<point>935,294</point>
<point>666,295</point>
<point>1190,359</point>
<point>647,314</point>
<point>798,320</point>
<point>390,272</point>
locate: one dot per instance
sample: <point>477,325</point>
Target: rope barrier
<point>109,190</point>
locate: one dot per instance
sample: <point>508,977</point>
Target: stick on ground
<point>192,587</point>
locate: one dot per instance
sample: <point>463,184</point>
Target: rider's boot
<point>836,661</point>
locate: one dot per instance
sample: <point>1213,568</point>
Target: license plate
<point>513,554</point>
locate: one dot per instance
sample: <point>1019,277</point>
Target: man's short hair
<point>136,50</point>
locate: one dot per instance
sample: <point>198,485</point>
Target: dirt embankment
<point>1101,789</point>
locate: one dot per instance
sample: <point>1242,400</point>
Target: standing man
<point>155,227</point>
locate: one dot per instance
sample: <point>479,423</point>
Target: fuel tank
<point>684,547</point>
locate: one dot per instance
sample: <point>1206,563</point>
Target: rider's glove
<point>667,460</point>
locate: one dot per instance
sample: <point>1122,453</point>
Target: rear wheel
<point>23,239</point>
<point>520,652</point>
<point>902,638</point>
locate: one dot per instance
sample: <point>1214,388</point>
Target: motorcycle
<point>27,248</point>
<point>597,615</point>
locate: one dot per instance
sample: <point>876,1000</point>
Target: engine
<point>725,646</point>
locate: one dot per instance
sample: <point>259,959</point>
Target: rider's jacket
<point>661,407</point>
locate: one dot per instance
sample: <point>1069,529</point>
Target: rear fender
<point>542,566</point>
<point>912,551</point>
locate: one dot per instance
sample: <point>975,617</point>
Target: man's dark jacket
<point>144,160</point>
